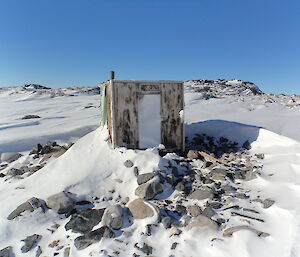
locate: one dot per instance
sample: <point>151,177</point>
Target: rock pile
<point>205,188</point>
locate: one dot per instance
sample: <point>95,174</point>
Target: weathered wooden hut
<point>143,114</point>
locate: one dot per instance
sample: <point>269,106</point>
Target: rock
<point>175,231</point>
<point>67,252</point>
<point>14,172</point>
<point>148,191</point>
<point>194,210</point>
<point>30,116</point>
<point>6,252</point>
<point>192,154</point>
<point>135,171</point>
<point>30,242</point>
<point>180,209</point>
<point>166,221</point>
<point>146,249</point>
<point>250,175</point>
<point>30,205</point>
<point>208,212</point>
<point>180,186</point>
<point>260,156</point>
<point>128,164</point>
<point>61,203</point>
<point>267,203</point>
<point>202,221</point>
<point>84,220</point>
<point>200,194</point>
<point>218,174</point>
<point>246,145</point>
<point>113,217</point>
<point>216,205</point>
<point>38,252</point>
<point>92,237</point>
<point>170,179</point>
<point>229,231</point>
<point>10,156</point>
<point>143,178</point>
<point>174,245</point>
<point>46,149</point>
<point>141,209</point>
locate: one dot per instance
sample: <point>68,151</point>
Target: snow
<point>91,168</point>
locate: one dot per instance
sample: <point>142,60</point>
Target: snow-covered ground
<point>90,170</point>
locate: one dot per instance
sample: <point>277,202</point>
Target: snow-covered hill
<point>243,203</point>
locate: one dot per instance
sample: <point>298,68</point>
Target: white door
<point>149,120</point>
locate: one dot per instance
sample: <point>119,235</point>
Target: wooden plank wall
<point>126,116</point>
<point>172,102</point>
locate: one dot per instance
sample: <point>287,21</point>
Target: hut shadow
<point>234,131</point>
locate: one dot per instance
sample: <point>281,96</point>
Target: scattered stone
<point>135,171</point>
<point>180,186</point>
<point>54,243</point>
<point>67,252</point>
<point>175,231</point>
<point>180,209</point>
<point>148,191</point>
<point>203,221</point>
<point>92,237</point>
<point>267,203</point>
<point>6,252</point>
<point>14,172</point>
<point>192,154</point>
<point>208,212</point>
<point>61,203</point>
<point>30,205</point>
<point>170,179</point>
<point>174,245</point>
<point>194,210</point>
<point>30,116</point>
<point>143,178</point>
<point>216,205</point>
<point>30,242</point>
<point>260,156</point>
<point>166,221</point>
<point>250,175</point>
<point>200,194</point>
<point>146,249</point>
<point>113,217</point>
<point>229,231</point>
<point>10,156</point>
<point>141,209</point>
<point>128,164</point>
<point>38,252</point>
<point>84,220</point>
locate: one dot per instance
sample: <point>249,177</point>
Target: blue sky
<point>60,43</point>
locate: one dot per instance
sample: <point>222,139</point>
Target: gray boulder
<point>84,220</point>
<point>6,252</point>
<point>10,156</point>
<point>143,178</point>
<point>92,237</point>
<point>149,190</point>
<point>203,221</point>
<point>166,221</point>
<point>30,205</point>
<point>192,154</point>
<point>113,217</point>
<point>141,209</point>
<point>200,194</point>
<point>128,164</point>
<point>194,210</point>
<point>30,242</point>
<point>208,212</point>
<point>61,202</point>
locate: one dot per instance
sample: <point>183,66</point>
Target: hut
<point>144,114</point>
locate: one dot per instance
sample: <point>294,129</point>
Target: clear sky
<point>60,43</point>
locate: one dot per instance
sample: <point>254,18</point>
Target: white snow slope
<point>90,168</point>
